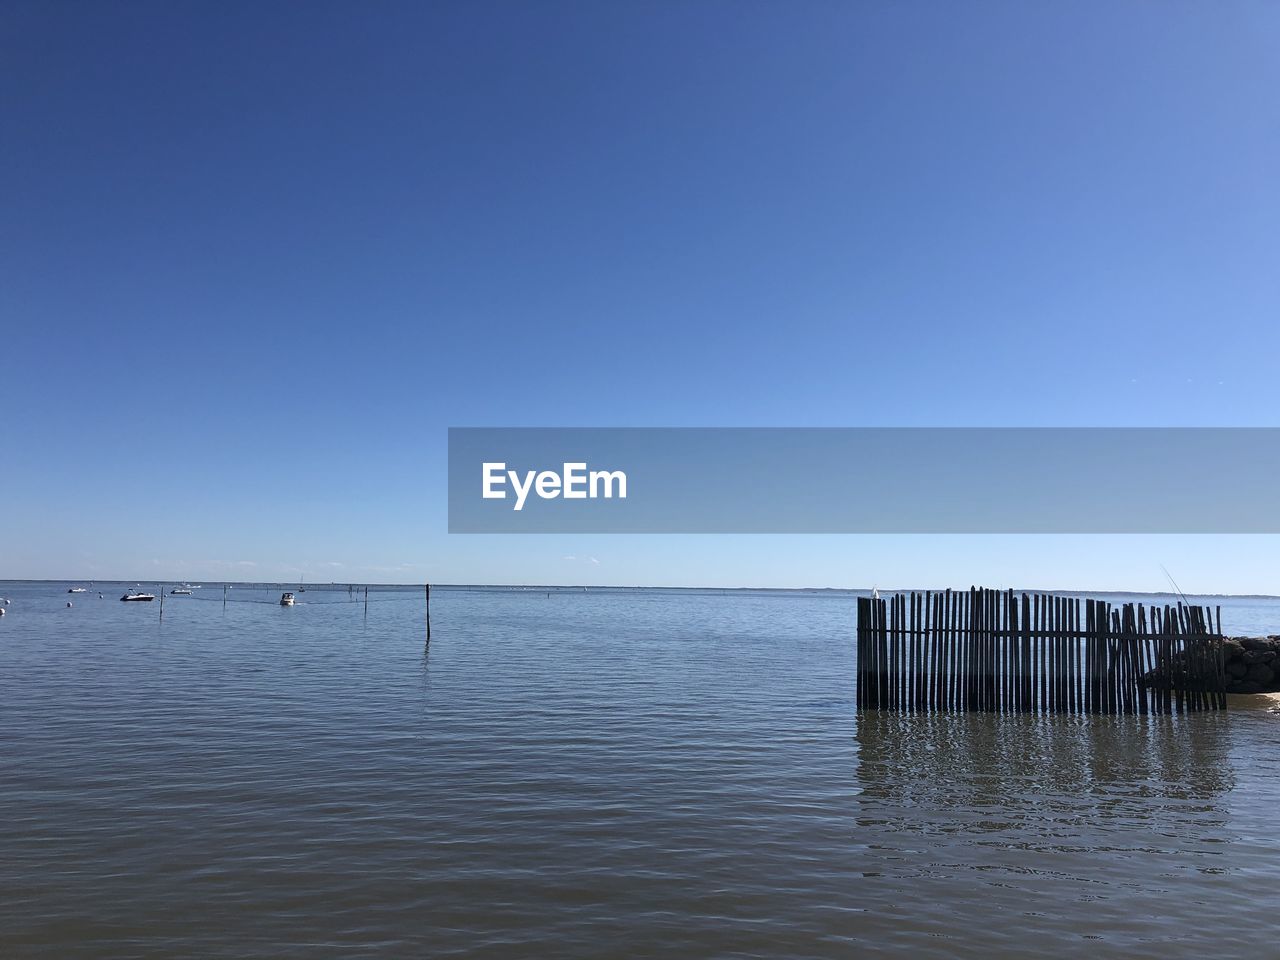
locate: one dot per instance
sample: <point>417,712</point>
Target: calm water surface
<point>649,774</point>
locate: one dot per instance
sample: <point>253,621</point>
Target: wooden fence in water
<point>1000,652</point>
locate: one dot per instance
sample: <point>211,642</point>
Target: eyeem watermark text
<point>574,482</point>
<point>864,480</point>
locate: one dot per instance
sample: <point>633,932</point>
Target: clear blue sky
<point>256,258</point>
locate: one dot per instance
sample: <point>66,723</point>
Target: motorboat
<point>77,590</point>
<point>135,595</point>
<point>180,591</point>
<point>286,600</point>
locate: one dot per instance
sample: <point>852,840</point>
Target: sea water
<point>570,773</point>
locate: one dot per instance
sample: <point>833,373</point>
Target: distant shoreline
<point>851,591</point>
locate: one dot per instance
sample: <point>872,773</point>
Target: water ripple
<point>589,775</point>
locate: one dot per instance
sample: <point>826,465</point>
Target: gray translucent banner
<point>864,480</point>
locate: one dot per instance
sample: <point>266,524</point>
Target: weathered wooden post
<point>428,613</point>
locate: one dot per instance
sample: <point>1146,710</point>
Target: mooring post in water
<point>162,601</point>
<point>366,603</point>
<point>224,598</point>
<point>428,613</point>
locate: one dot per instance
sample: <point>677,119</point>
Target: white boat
<point>179,591</point>
<point>134,595</point>
<point>77,590</point>
<point>286,600</point>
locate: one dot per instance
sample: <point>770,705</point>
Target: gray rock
<point>1260,673</point>
<point>1236,669</point>
<point>1247,686</point>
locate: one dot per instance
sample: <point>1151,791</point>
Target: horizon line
<point>616,586</point>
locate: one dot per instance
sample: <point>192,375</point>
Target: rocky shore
<point>1253,664</point>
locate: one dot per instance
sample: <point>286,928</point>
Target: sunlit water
<point>648,774</point>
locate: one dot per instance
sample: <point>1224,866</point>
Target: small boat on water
<point>286,600</point>
<point>77,590</point>
<point>179,591</point>
<point>134,595</point>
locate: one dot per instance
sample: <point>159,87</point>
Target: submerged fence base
<point>1000,652</point>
